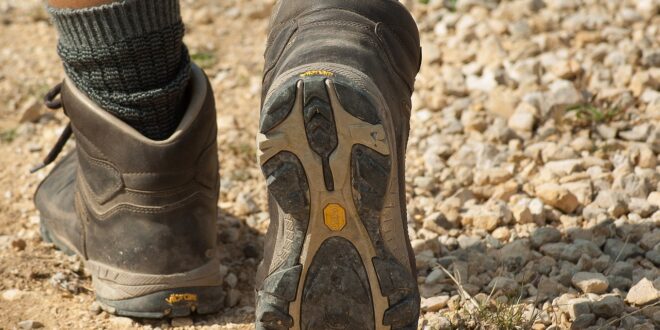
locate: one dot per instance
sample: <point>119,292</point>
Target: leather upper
<point>141,205</point>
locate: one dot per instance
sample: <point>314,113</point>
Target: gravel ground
<point>533,169</point>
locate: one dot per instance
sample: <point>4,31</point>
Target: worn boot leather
<point>338,80</point>
<point>141,213</point>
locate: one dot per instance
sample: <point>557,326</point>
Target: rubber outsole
<point>176,302</point>
<point>340,259</point>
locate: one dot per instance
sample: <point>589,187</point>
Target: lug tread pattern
<point>336,293</point>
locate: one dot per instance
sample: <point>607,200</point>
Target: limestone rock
<point>643,293</point>
<point>590,282</point>
<point>558,197</point>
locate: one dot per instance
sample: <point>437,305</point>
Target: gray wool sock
<point>129,57</point>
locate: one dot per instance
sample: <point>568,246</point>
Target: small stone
<point>609,306</point>
<point>121,322</point>
<point>12,294</point>
<point>435,321</point>
<point>95,308</point>
<point>646,158</point>
<point>654,198</point>
<point>650,240</point>
<point>504,284</point>
<point>646,326</point>
<point>488,216</point>
<point>434,304</point>
<point>29,324</point>
<point>614,202</point>
<point>642,207</point>
<point>618,249</point>
<point>501,102</point>
<point>522,213</point>
<point>562,93</point>
<point>231,280</point>
<point>587,247</point>
<point>606,131</point>
<point>434,276</point>
<point>633,185</point>
<point>548,289</point>
<point>590,282</point>
<point>619,283</point>
<point>621,268</point>
<point>31,111</point>
<point>233,297</point>
<point>522,121</point>
<point>454,303</point>
<point>583,321</point>
<point>545,235</point>
<point>245,204</point>
<point>653,256</point>
<point>18,244</point>
<point>558,197</point>
<point>629,322</point>
<point>515,253</point>
<point>638,133</point>
<point>182,322</point>
<point>250,250</point>
<point>564,167</point>
<point>502,233</point>
<point>468,242</point>
<point>577,307</point>
<point>643,293</point>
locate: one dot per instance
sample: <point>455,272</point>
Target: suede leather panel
<point>102,178</point>
<point>55,200</point>
<point>155,241</point>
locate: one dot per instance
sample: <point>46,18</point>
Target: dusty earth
<point>532,178</point>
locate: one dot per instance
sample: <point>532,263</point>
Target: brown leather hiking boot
<point>141,213</point>
<point>334,125</point>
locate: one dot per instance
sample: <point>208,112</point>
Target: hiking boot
<point>334,126</point>
<point>141,213</point>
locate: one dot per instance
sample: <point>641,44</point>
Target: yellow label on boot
<point>181,297</point>
<point>334,217</point>
<point>317,73</point>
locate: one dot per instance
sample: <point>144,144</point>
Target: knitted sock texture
<point>129,57</point>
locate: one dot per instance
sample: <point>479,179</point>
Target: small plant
<point>488,313</point>
<point>8,136</point>
<point>589,113</point>
<point>205,60</point>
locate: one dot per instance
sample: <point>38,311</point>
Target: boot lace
<point>53,102</point>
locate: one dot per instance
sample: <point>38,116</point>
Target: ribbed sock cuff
<point>129,57</point>
<point>112,23</point>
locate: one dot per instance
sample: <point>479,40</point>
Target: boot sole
<point>327,150</point>
<point>156,302</point>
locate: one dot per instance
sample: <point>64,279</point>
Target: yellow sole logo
<point>181,297</point>
<point>312,73</point>
<point>334,217</point>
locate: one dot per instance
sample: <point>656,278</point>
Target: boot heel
<point>340,260</point>
<point>156,296</point>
